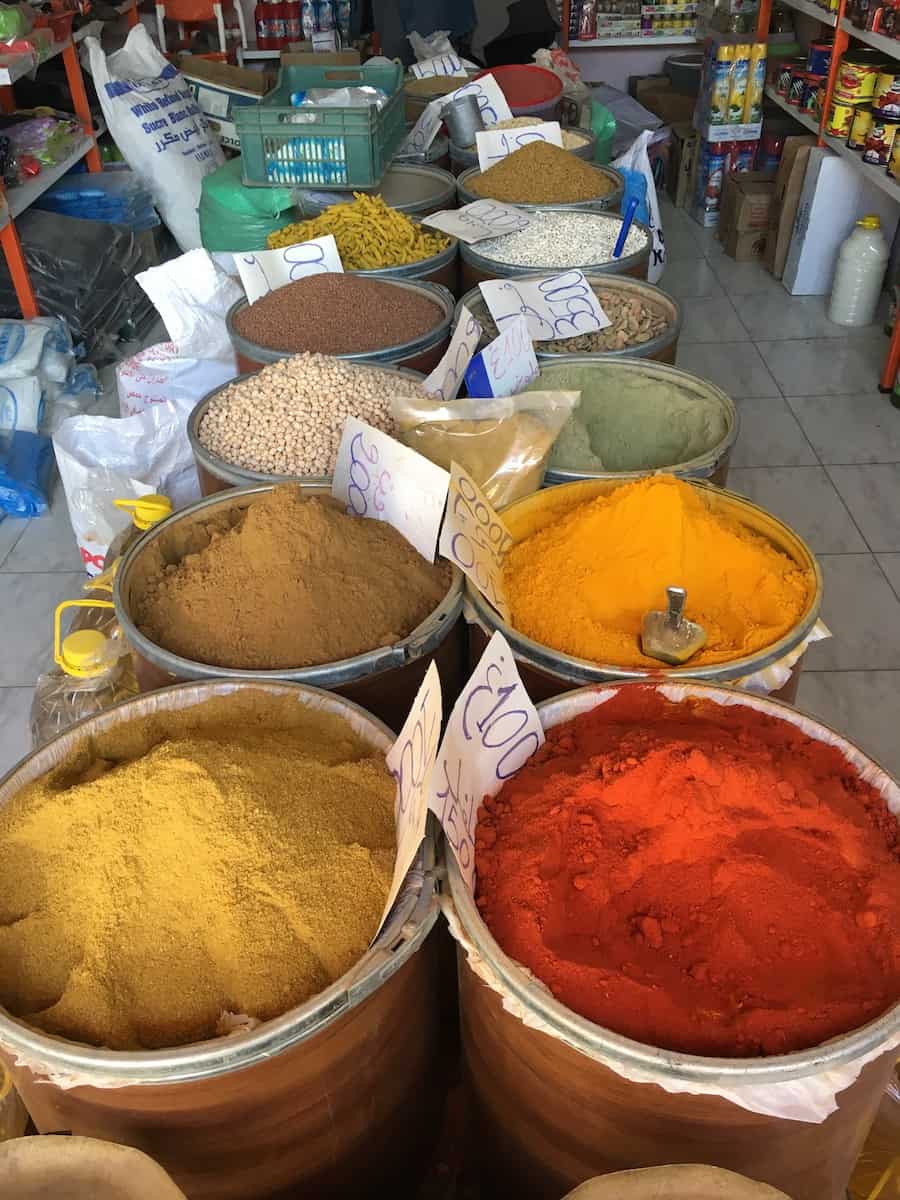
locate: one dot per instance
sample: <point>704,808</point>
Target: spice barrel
<point>715,409</point>
<point>662,347</point>
<point>384,680</point>
<point>436,155</point>
<point>611,202</point>
<point>216,475</point>
<point>559,1099</point>
<point>547,672</point>
<point>441,268</point>
<point>327,1088</point>
<point>685,1181</point>
<point>462,158</point>
<point>420,354</point>
<point>412,188</point>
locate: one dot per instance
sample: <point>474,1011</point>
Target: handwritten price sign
<point>494,144</point>
<point>493,730</point>
<point>444,381</point>
<point>265,271</point>
<point>506,365</point>
<point>561,306</point>
<point>480,220</point>
<point>491,101</point>
<point>475,539</point>
<point>444,64</point>
<point>375,476</point>
<point>411,761</point>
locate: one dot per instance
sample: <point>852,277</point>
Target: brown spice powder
<point>237,861</point>
<point>541,174</point>
<point>290,581</point>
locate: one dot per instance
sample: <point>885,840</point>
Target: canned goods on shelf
<point>796,86</point>
<point>840,118</point>
<point>859,130</point>
<point>783,75</point>
<point>809,96</point>
<point>857,76</point>
<point>880,141</point>
<point>819,58</point>
<point>894,172</point>
<point>886,98</point>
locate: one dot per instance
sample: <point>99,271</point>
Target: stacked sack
<point>115,196</point>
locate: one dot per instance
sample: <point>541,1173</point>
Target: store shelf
<point>647,40</point>
<point>877,176</point>
<point>811,10</point>
<point>23,64</point>
<point>25,194</point>
<point>878,41</point>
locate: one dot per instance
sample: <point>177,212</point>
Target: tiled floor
<point>819,446</point>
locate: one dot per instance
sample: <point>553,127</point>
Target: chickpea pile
<point>288,418</point>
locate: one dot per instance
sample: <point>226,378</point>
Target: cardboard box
<point>743,245</point>
<point>300,54</point>
<point>788,185</point>
<point>679,178</point>
<point>747,200</point>
<point>657,96</point>
<point>219,89</point>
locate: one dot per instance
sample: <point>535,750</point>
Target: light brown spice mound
<point>542,174</point>
<point>290,581</point>
<point>229,870</point>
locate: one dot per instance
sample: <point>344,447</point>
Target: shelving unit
<point>637,39</point>
<point>843,31</point>
<point>644,40</point>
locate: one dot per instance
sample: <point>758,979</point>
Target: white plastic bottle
<point>862,260</point>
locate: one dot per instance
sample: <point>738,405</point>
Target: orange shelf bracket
<point>15,260</point>
<point>80,102</point>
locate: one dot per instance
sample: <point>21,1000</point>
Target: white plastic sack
<point>156,123</point>
<point>21,347</point>
<point>433,46</point>
<point>192,295</point>
<point>636,158</point>
<point>102,459</point>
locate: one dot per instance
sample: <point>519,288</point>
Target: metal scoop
<point>667,635</point>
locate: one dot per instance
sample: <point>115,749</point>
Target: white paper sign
<point>377,477</point>
<point>492,732</point>
<point>494,144</point>
<point>411,761</point>
<point>444,381</point>
<point>425,129</point>
<point>264,271</point>
<point>491,101</point>
<point>444,64</point>
<point>325,41</point>
<point>506,365</point>
<point>479,220</point>
<point>475,539</point>
<point>560,306</point>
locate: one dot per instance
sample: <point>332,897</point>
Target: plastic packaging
<point>603,127</point>
<point>503,443</point>
<point>114,196</point>
<point>862,260</point>
<point>13,1117</point>
<point>636,158</point>
<point>26,460</point>
<point>234,217</point>
<point>876,1175</point>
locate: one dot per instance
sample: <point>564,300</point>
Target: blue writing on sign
<point>368,486</point>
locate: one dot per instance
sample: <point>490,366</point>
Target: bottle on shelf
<point>261,21</point>
<point>293,28</point>
<point>862,261</point>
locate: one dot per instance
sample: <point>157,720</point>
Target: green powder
<point>630,420</point>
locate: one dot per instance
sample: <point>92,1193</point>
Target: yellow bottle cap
<point>85,653</point>
<point>872,221</point>
<point>146,510</point>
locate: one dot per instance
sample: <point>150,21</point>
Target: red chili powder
<point>698,878</point>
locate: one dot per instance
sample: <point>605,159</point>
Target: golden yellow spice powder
<point>229,861</point>
<point>583,584</point>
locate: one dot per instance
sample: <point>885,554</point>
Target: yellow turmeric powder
<point>583,584</point>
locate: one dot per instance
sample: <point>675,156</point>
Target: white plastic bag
<point>433,46</point>
<point>21,347</point>
<point>156,123</point>
<point>192,295</point>
<point>102,459</point>
<point>636,159</point>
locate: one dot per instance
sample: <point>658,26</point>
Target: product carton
<point>746,201</point>
<point>300,54</point>
<point>788,185</point>
<point>657,95</point>
<point>741,245</point>
<point>219,89</point>
<point>679,178</point>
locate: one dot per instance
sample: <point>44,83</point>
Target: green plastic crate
<point>321,147</point>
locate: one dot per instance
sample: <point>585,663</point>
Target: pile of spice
<point>338,314</point>
<point>542,174</point>
<point>188,868</point>
<point>700,878</point>
<point>288,581</point>
<point>556,240</point>
<point>288,418</point>
<point>583,583</point>
<point>368,233</point>
<point>634,320</point>
<point>570,139</point>
<point>632,420</point>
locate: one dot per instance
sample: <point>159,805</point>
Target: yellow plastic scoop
<point>669,636</point>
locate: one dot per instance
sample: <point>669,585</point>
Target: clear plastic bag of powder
<point>503,443</point>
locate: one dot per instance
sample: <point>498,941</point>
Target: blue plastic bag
<point>26,461</point>
<point>635,185</point>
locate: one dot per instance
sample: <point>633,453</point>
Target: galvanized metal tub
<point>420,354</point>
<point>324,1089</point>
<point>662,348</point>
<point>411,188</point>
<point>476,267</point>
<point>611,202</point>
<point>437,155</point>
<point>547,672</point>
<point>217,475</point>
<point>384,680</point>
<point>553,1110</point>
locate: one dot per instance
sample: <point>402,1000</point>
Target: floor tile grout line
<point>815,452</point>
<point>18,539</point>
<point>852,518</point>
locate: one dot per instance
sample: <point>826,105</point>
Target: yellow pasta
<point>368,234</point>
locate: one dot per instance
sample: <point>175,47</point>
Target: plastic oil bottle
<point>861,264</point>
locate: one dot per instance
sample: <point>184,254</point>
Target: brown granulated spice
<point>541,174</point>
<point>231,859</point>
<point>337,314</point>
<point>289,581</point>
